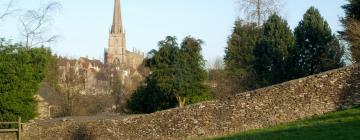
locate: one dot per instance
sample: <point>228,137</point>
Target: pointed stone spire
<point>117,20</point>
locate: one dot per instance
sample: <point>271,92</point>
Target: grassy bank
<point>342,125</point>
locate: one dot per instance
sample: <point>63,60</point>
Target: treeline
<point>256,56</point>
<point>272,53</point>
<point>21,71</point>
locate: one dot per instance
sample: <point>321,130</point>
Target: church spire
<point>117,21</point>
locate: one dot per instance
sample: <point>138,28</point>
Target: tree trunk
<point>181,101</point>
<point>258,13</point>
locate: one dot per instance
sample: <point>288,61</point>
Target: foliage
<point>177,74</point>
<point>193,71</point>
<point>53,73</point>
<point>352,9</point>
<point>318,49</point>
<point>352,35</point>
<point>21,71</point>
<point>147,98</point>
<point>351,24</point>
<point>332,126</point>
<point>117,90</point>
<point>272,51</point>
<point>239,58</point>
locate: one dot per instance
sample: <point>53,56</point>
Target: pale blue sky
<point>83,25</point>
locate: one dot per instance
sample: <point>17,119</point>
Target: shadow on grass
<point>336,116</point>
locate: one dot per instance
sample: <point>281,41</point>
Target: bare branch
<point>8,10</point>
<point>258,10</point>
<point>35,23</point>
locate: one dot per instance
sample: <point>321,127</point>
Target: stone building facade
<point>117,53</point>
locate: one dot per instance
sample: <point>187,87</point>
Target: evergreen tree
<point>318,49</point>
<point>148,98</point>
<point>177,77</point>
<point>351,24</point>
<point>239,58</point>
<point>192,69</point>
<point>21,71</point>
<point>272,51</point>
<point>352,9</point>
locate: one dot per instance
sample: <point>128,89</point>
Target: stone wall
<point>261,108</point>
<point>8,136</point>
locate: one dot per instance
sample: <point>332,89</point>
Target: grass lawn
<point>342,125</point>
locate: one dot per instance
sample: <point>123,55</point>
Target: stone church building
<point>116,53</point>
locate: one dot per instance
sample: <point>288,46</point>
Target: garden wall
<point>286,102</point>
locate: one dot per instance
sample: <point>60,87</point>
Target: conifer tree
<point>318,49</point>
<point>351,24</point>
<point>272,51</point>
<point>239,58</point>
<point>352,9</point>
<point>21,72</point>
<point>192,66</point>
<point>177,77</point>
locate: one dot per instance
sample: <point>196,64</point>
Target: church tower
<point>116,52</point>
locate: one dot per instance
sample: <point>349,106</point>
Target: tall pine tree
<point>272,51</point>
<point>318,49</point>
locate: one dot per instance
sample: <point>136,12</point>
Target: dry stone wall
<point>261,108</point>
<point>8,136</point>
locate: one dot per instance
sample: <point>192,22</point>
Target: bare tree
<point>35,25</point>
<point>216,64</point>
<point>71,84</point>
<point>117,90</point>
<point>8,9</point>
<point>259,10</point>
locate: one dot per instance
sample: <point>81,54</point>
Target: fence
<point>18,130</point>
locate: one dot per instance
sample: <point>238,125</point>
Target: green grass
<point>342,125</point>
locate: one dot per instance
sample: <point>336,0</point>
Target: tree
<point>272,51</point>
<point>216,64</point>
<point>117,89</point>
<point>319,50</point>
<point>71,84</point>
<point>351,24</point>
<point>21,72</point>
<point>259,10</point>
<point>177,77</point>
<point>8,9</point>
<point>239,58</point>
<point>158,91</point>
<point>352,10</point>
<point>35,24</point>
<point>148,98</point>
<point>194,73</point>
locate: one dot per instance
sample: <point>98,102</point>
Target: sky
<point>83,25</point>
